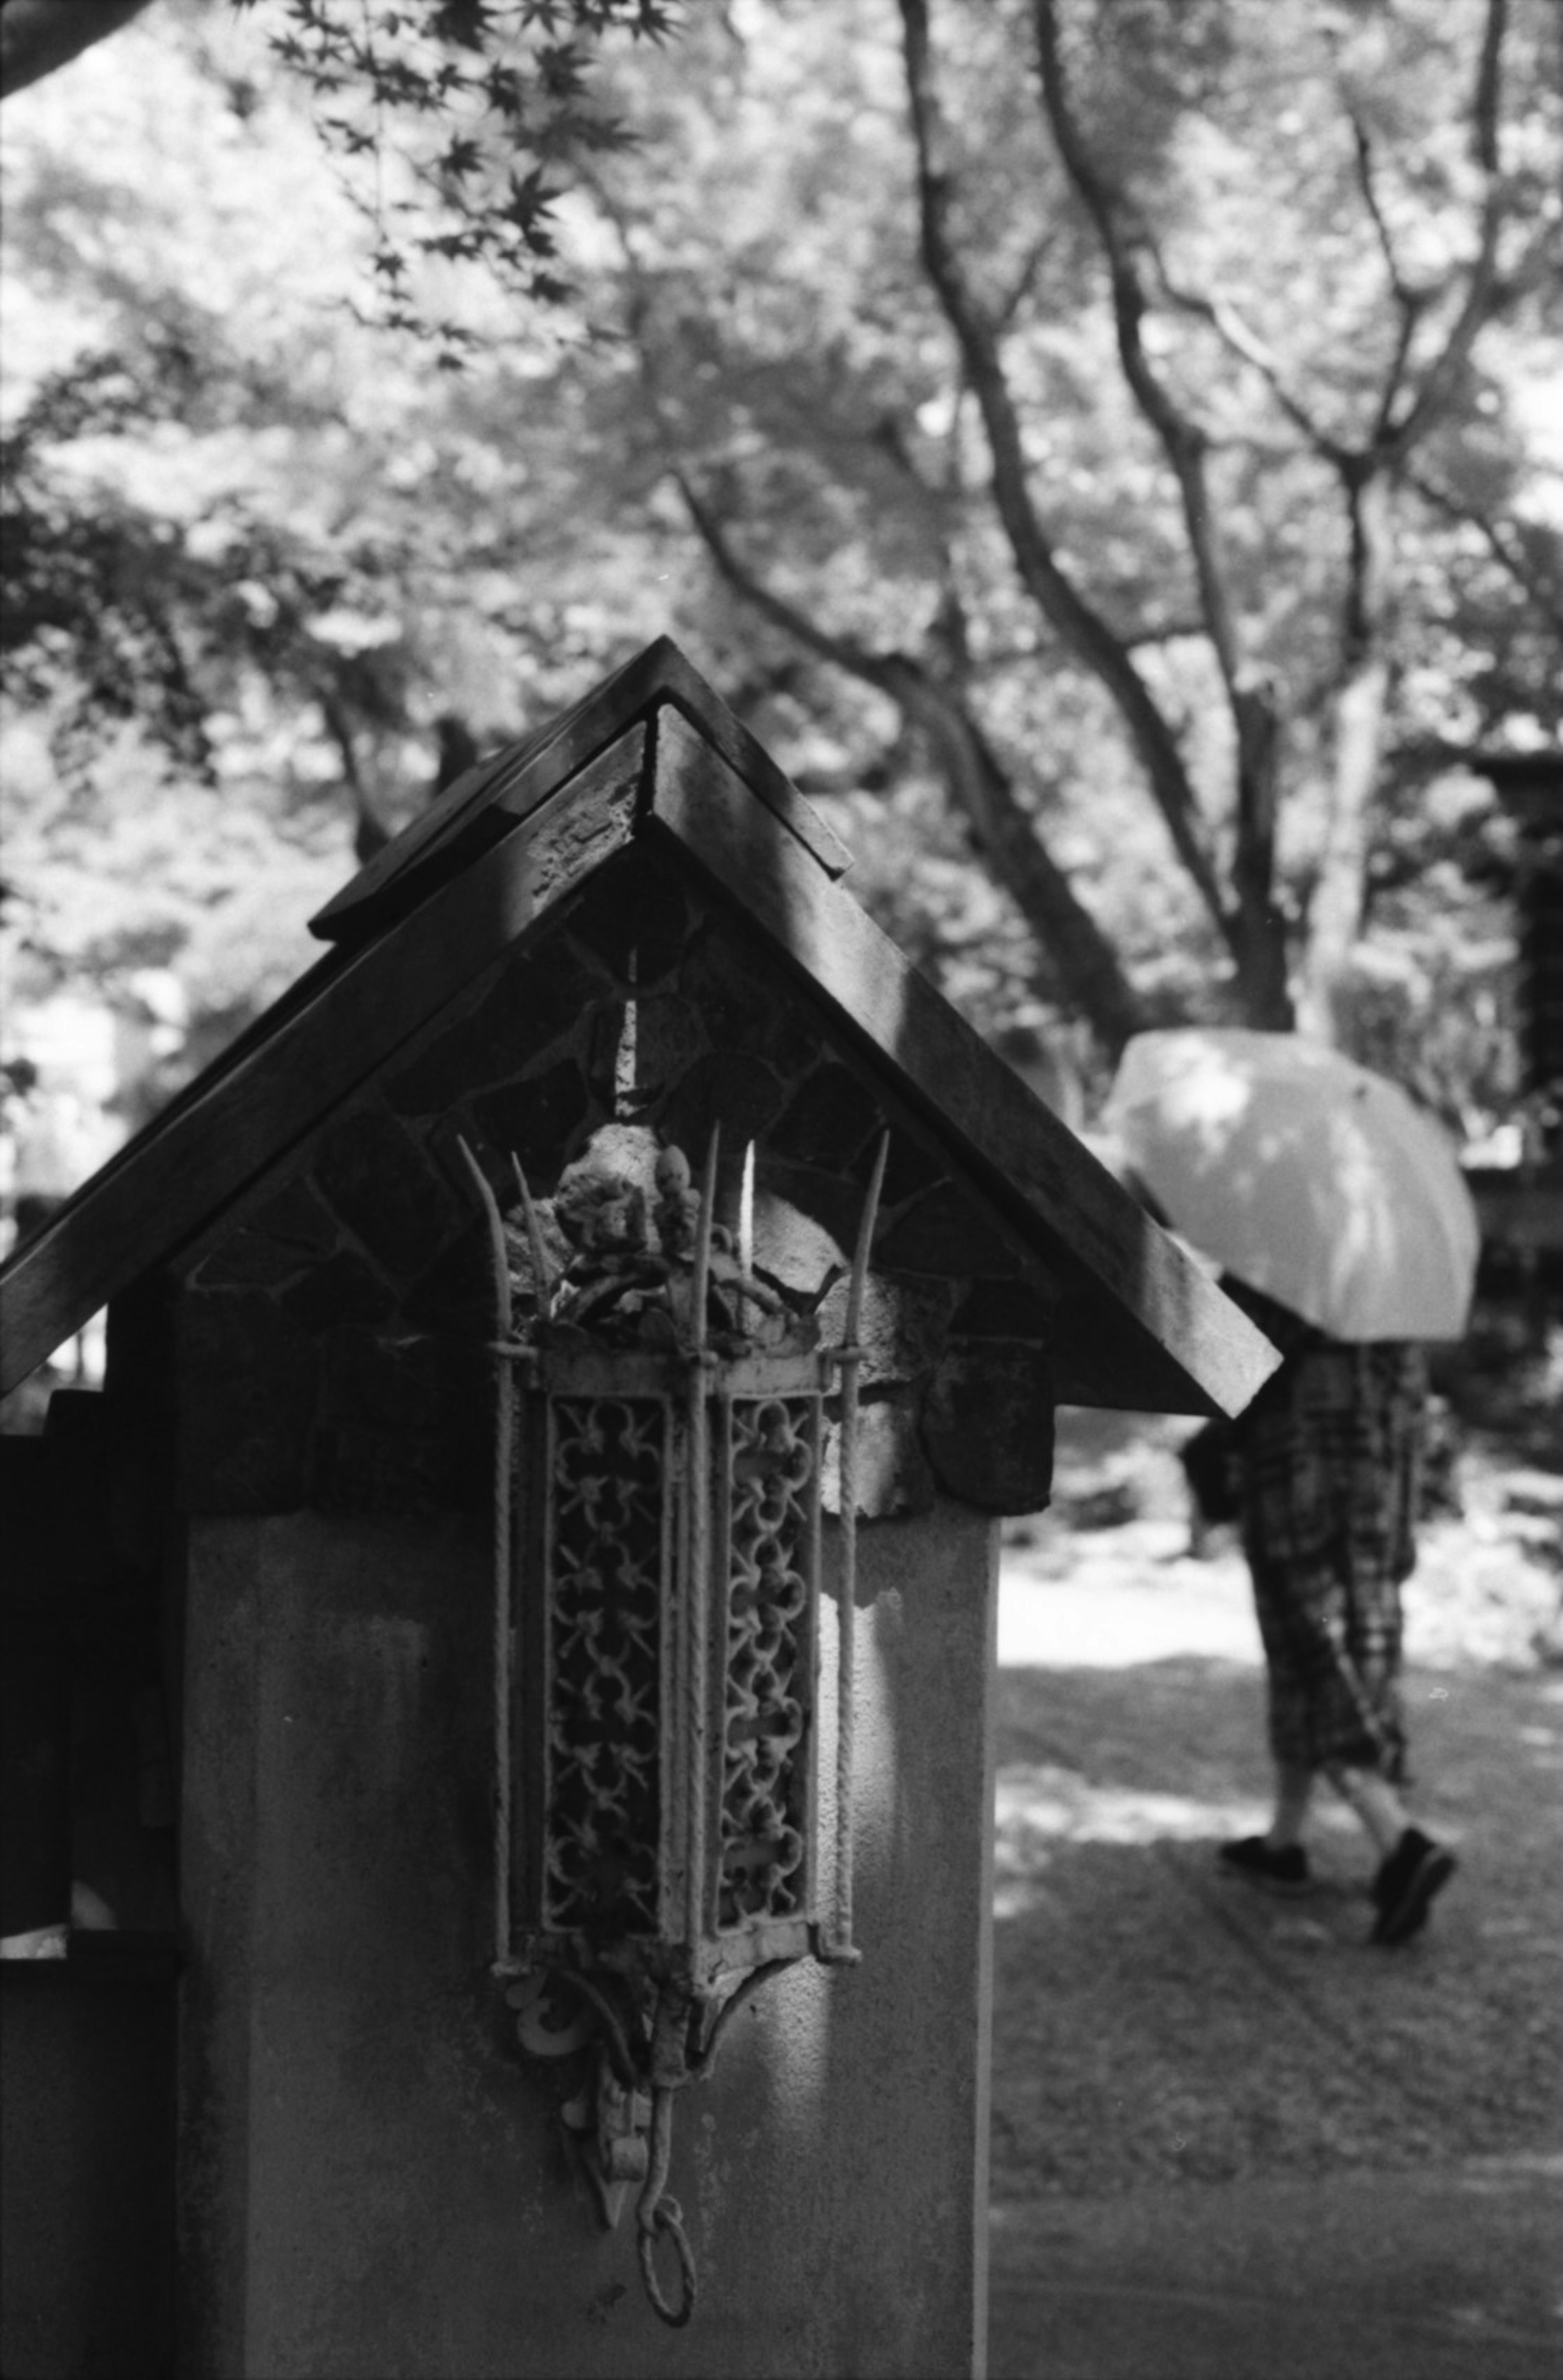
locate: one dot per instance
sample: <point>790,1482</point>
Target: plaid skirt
<point>1331,1450</point>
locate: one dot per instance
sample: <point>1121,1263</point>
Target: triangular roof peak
<point>493,796</point>
<point>652,756</point>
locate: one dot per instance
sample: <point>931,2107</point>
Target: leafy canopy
<point>1105,447</point>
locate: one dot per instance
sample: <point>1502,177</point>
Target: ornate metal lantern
<point>662,1424</point>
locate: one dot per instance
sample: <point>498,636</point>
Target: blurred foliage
<point>272,568</point>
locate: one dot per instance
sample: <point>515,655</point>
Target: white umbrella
<point>1304,1175</point>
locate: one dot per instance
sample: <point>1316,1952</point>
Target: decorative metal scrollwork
<point>772,1465</point>
<point>606,1486</point>
<point>659,1458</point>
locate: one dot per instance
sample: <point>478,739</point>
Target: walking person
<point>1337,1214</point>
<point>1327,1466</point>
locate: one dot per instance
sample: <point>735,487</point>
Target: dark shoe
<point>1262,1863</point>
<point>1416,1870</point>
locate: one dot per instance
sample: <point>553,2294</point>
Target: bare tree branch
<point>1397,439</point>
<point>1367,182</point>
<point>1081,628</point>
<point>1258,945</point>
<point>1078,955</point>
<point>1410,303</point>
<point>1543,587</point>
<point>370,831</point>
<point>1024,282</point>
<point>1180,437</point>
<point>1391,440</point>
<point>1236,335</point>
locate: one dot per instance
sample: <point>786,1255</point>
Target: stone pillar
<point>373,2179</point>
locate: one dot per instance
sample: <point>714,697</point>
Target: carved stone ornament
<point>659,1453</point>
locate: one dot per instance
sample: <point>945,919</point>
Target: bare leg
<point>1294,1792</point>
<point>1375,1802</point>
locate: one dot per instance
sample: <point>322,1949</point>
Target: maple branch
<point>1079,626</point>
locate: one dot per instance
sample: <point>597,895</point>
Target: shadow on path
<point>1229,2132</point>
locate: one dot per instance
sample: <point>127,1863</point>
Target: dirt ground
<point>1156,2021</point>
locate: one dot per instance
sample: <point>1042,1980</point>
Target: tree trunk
<point>1335,912</point>
<point>1259,934</point>
<point>1356,719</point>
<point>1079,963</point>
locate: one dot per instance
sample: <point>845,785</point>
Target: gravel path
<point>1156,2021</point>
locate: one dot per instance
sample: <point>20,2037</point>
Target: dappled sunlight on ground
<point>1157,2019</point>
<point>1111,1575</point>
<point>1125,1597</point>
<point>1488,1583</point>
<point>1041,1807</point>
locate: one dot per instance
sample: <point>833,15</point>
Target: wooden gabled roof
<point>482,807</point>
<point>652,755</point>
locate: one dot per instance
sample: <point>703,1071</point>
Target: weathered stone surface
<point>805,1223</point>
<point>373,1471</point>
<point>456,1292</point>
<point>842,2138</point>
<point>739,1093</point>
<point>275,1245</point>
<point>345,1289</point>
<point>375,1382</point>
<point>629,1150</point>
<point>903,1325</point>
<point>943,1231</point>
<point>792,1248</point>
<point>987,1424</point>
<point>374,1173</point>
<point>669,1037</point>
<point>893,1477</point>
<point>298,1218</point>
<point>827,1121</point>
<point>1005,1309</point>
<point>601,1050</point>
<point>747,1004</point>
<point>634,918</point>
<point>536,999</point>
<point>247,1377</point>
<point>251,1260</point>
<point>909,1169</point>
<point>541,1120</point>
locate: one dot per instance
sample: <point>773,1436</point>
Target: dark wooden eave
<point>1141,1326</point>
<point>484,805</point>
<point>1138,1323</point>
<point>325,1037</point>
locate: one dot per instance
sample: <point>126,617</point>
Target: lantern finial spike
<point>543,1272</point>
<point>865,1241</point>
<point>746,1214</point>
<point>707,1217</point>
<point>495,1238</point>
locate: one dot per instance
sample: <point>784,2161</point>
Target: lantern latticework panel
<point>666,1659</point>
<point>662,1425</point>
